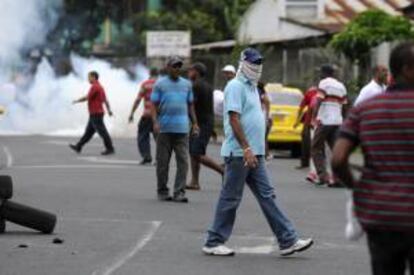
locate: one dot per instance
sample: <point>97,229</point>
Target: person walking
<point>243,150</point>
<point>229,72</point>
<point>305,116</point>
<point>173,99</point>
<point>266,104</point>
<point>327,117</point>
<point>376,86</point>
<point>384,195</point>
<point>204,109</point>
<point>145,125</point>
<point>96,98</point>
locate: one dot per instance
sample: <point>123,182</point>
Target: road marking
<point>66,143</point>
<point>110,161</point>
<point>122,259</point>
<point>75,166</point>
<point>261,249</point>
<point>9,156</point>
<point>267,245</point>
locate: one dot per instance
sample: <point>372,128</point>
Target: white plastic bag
<point>353,230</point>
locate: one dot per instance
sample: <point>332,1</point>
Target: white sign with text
<point>168,43</point>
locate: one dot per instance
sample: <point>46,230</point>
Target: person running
<point>305,116</point>
<point>145,125</point>
<point>377,85</point>
<point>203,103</point>
<point>327,117</point>
<point>173,100</point>
<point>243,150</point>
<point>96,98</point>
<point>384,194</point>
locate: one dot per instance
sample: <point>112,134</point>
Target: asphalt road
<point>111,222</point>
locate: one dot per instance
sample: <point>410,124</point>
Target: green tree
<point>80,23</point>
<point>208,20</point>
<point>369,30</point>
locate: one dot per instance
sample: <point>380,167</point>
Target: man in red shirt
<point>384,195</point>
<point>305,116</point>
<point>145,125</point>
<point>96,98</point>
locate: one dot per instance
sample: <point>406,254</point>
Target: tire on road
<point>6,187</point>
<point>26,216</point>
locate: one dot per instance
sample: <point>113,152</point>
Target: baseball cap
<point>229,68</point>
<point>200,68</point>
<point>175,60</point>
<point>252,56</point>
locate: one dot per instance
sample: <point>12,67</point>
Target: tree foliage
<point>208,20</point>
<point>81,21</point>
<point>368,30</point>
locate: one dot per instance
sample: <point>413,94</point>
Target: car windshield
<point>285,98</point>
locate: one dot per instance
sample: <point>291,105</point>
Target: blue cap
<point>252,56</point>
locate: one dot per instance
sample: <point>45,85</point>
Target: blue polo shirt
<point>242,97</point>
<point>172,98</point>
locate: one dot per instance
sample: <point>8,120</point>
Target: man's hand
<point>195,130</point>
<point>250,160</point>
<point>110,113</point>
<point>156,128</point>
<point>131,119</point>
<point>296,125</point>
<point>75,102</point>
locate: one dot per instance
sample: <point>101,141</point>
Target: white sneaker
<point>299,246</point>
<point>219,250</point>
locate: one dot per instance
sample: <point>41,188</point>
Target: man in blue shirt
<point>243,151</point>
<point>173,100</point>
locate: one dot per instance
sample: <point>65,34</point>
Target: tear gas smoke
<point>42,103</point>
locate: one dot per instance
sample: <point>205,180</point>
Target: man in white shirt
<point>376,86</point>
<point>327,117</point>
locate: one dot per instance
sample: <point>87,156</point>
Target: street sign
<point>168,43</point>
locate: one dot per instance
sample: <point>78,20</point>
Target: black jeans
<point>391,252</point>
<point>166,144</point>
<point>145,128</point>
<point>96,125</point>
<point>323,135</point>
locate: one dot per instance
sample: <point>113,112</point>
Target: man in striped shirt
<point>384,196</point>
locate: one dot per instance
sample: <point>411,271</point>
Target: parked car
<point>284,108</point>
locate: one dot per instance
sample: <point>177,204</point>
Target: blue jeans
<point>236,175</point>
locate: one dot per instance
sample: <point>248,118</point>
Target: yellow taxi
<point>284,108</point>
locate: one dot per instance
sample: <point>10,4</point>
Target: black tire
<point>296,151</point>
<point>28,217</point>
<point>6,187</point>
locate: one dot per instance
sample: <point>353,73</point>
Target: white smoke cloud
<point>42,104</point>
<point>46,108</point>
<point>24,23</point>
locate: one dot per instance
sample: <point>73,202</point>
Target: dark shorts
<point>198,144</point>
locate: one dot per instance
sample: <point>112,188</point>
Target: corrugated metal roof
<point>339,12</point>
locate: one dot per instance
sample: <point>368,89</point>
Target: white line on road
<point>121,260</point>
<point>9,157</point>
<point>66,143</point>
<point>76,166</point>
<point>110,161</point>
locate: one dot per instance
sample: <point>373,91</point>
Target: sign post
<point>163,44</point>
